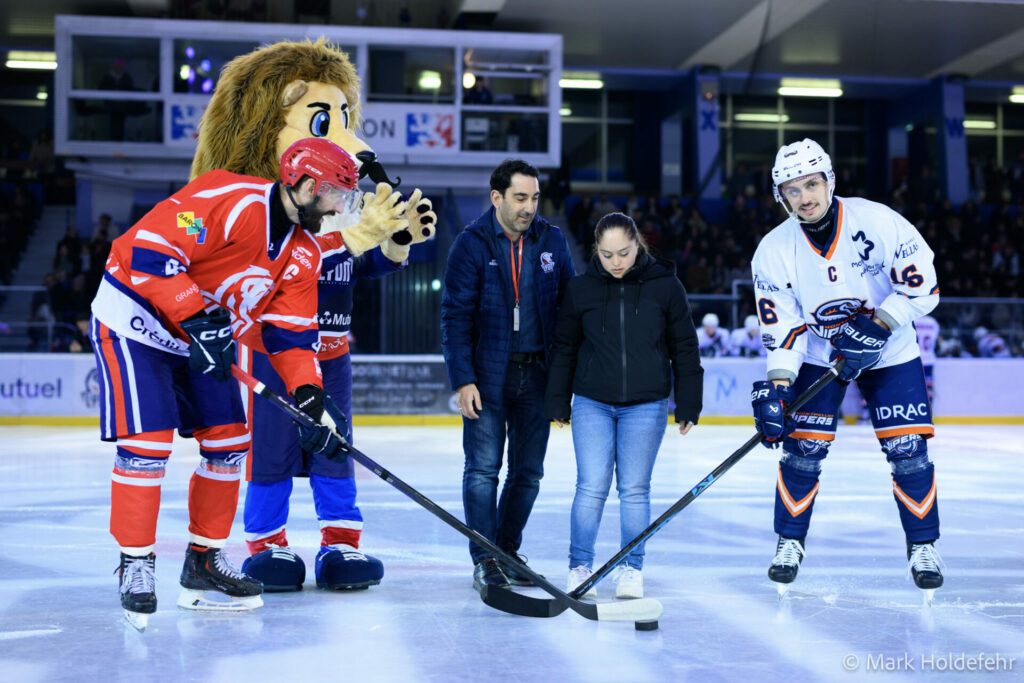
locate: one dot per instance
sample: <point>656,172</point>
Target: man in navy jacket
<point>506,274</point>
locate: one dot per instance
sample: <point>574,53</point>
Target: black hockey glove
<point>769,401</point>
<point>212,349</point>
<point>860,342</point>
<point>312,400</point>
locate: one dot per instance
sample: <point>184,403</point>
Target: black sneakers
<point>487,572</point>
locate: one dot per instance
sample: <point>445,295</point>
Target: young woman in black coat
<point>623,335</point>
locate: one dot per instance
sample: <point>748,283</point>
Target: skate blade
<point>137,620</point>
<point>927,595</point>
<point>783,589</point>
<point>214,601</point>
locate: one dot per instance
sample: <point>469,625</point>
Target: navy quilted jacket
<point>476,307</point>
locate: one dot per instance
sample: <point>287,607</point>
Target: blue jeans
<point>521,416</point>
<point>625,439</point>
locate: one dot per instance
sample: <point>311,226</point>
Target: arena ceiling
<point>897,39</point>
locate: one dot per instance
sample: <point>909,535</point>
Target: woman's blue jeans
<point>623,439</point>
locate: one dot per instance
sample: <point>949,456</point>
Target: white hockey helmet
<point>751,323</point>
<point>797,160</point>
<point>710,320</point>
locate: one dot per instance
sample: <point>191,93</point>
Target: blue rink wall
<point>64,389</point>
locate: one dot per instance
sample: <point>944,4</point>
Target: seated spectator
<point>605,206</point>
<point>990,344</point>
<point>746,341</point>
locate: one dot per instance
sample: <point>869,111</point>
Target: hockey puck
<point>646,625</point>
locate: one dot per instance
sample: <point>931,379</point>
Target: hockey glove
<point>422,224</point>
<point>860,342</point>
<point>212,348</point>
<point>769,401</point>
<point>382,215</point>
<point>332,423</point>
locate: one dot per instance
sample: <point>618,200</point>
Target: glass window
<point>197,63</point>
<point>620,104</point>
<point>981,146</point>
<point>412,74</point>
<point>513,90</point>
<point>620,153</point>
<point>1013,149</point>
<point>1013,116</point>
<point>753,146</point>
<point>581,146</point>
<point>127,64</point>
<point>582,102</point>
<point>115,120</point>
<point>848,112</point>
<point>502,58</point>
<point>806,109</point>
<point>498,132</point>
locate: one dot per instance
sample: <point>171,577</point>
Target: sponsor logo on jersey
<point>547,262</point>
<point>868,269</point>
<point>814,419</point>
<point>192,225</point>
<point>302,255</point>
<point>768,341</point>
<point>334,319</point>
<point>908,249</point>
<point>911,412</point>
<point>763,284</point>
<point>341,273</point>
<point>831,316</point>
<point>159,336</point>
<point>863,244</point>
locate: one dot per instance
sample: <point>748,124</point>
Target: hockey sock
<point>795,491</point>
<point>135,489</point>
<point>266,513</point>
<point>341,522</point>
<point>213,489</point>
<point>917,500</point>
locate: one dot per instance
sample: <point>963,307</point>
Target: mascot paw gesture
<point>383,215</point>
<point>422,223</point>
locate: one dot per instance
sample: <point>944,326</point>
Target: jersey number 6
<point>766,309</point>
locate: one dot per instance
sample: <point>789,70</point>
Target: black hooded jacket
<point>621,341</point>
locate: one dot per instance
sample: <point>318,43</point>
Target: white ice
<point>852,606</point>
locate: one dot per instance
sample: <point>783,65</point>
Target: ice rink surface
<point>851,614</point>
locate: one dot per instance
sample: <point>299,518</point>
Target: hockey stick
<point>502,599</point>
<point>707,481</point>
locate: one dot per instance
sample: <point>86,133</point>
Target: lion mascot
<point>265,101</point>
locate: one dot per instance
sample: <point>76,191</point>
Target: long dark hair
<point>619,220</point>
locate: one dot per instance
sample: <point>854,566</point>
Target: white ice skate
<point>925,565</point>
<point>789,553</point>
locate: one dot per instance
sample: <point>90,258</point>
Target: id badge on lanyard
<point>516,271</point>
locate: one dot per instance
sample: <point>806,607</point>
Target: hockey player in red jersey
<point>226,257</point>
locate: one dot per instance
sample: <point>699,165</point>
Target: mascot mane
<point>256,82</point>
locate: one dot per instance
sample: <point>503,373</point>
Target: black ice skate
<point>789,553</point>
<point>925,567</point>
<point>210,582</point>
<point>137,579</point>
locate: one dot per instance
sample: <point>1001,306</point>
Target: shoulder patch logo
<point>192,225</point>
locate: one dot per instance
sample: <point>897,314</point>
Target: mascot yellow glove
<point>382,216</point>
<point>422,225</point>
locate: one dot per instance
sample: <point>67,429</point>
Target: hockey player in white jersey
<point>843,276</point>
<point>746,341</point>
<point>712,340</point>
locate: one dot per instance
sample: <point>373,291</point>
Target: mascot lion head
<point>276,95</point>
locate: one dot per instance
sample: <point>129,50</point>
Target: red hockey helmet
<point>321,160</point>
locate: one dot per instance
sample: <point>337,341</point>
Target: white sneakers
<point>629,582</point>
<point>578,575</point>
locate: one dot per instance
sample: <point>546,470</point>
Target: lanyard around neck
<point>516,268</point>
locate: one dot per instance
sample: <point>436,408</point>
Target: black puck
<point>646,625</point>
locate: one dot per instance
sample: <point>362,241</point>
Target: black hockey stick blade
<point>707,481</point>
<point>511,602</point>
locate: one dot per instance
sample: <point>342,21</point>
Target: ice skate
<point>925,565</point>
<point>210,582</point>
<point>577,575</point>
<point>137,581</point>
<point>342,567</point>
<point>279,569</point>
<point>789,553</point>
